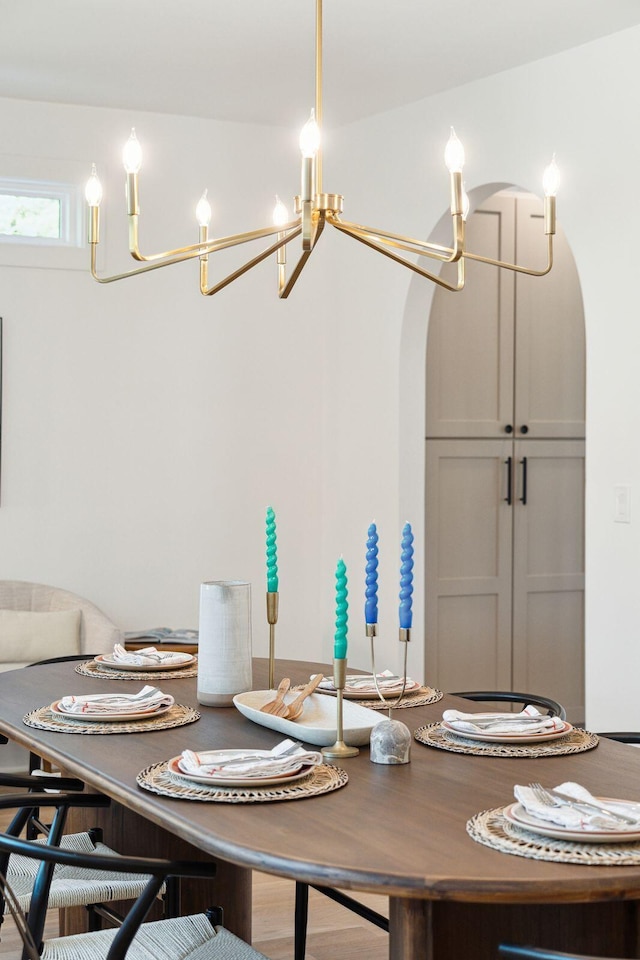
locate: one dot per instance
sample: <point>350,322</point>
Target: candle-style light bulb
<point>203,211</point>
<point>310,137</point>
<point>551,178</point>
<point>454,153</point>
<point>132,153</point>
<point>280,213</point>
<point>93,189</point>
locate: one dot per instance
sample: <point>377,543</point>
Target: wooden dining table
<point>397,830</point>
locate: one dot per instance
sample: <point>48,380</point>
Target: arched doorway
<point>504,466</point>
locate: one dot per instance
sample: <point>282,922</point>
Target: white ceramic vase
<point>224,647</point>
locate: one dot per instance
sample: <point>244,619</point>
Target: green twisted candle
<point>342,616</point>
<point>272,553</point>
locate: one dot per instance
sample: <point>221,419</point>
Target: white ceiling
<point>252,60</point>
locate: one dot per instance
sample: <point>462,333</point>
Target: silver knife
<point>587,804</point>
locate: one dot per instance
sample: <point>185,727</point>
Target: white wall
<point>145,428</point>
<point>579,105</point>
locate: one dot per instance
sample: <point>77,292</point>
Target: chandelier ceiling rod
<point>313,210</point>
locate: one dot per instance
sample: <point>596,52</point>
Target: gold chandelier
<point>313,210</point>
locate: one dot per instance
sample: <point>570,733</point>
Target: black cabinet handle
<point>508,428</point>
<point>524,481</point>
<point>524,428</point>
<point>509,464</point>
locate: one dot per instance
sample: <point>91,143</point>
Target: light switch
<point>622,508</point>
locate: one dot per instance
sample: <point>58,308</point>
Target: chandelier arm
<point>407,263</point>
<point>208,247</point>
<point>285,288</point>
<point>134,273</point>
<point>209,291</point>
<point>422,247</point>
<point>514,266</point>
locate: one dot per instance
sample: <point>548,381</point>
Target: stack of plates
<point>495,736</point>
<point>57,708</point>
<point>173,662</point>
<point>228,778</point>
<point>516,813</point>
<point>363,688</point>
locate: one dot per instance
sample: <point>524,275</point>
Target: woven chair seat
<point>182,938</point>
<point>74,886</point>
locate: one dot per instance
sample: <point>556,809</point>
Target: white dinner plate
<point>317,724</point>
<point>107,660</point>
<point>110,717</point>
<point>516,813</point>
<point>237,780</point>
<point>370,693</point>
<point>541,737</point>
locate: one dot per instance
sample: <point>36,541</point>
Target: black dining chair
<point>200,936</point>
<point>628,736</point>
<point>553,707</point>
<point>512,952</point>
<point>96,891</point>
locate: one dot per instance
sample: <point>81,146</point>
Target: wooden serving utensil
<point>278,707</point>
<point>295,708</point>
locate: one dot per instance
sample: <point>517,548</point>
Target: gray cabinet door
<point>468,562</point>
<point>548,571</point>
<point>549,335</point>
<point>471,336</point>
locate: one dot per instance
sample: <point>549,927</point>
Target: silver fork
<point>549,800</point>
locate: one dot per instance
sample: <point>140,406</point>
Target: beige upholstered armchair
<point>39,621</point>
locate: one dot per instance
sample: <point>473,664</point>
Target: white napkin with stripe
<point>503,722</point>
<point>148,656</point>
<point>215,762</point>
<point>147,700</point>
<point>571,817</point>
<point>364,683</point>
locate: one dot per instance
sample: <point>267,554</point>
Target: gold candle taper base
<point>272,619</point>
<point>339,748</point>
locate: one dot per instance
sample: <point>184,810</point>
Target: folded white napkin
<point>148,699</point>
<point>365,683</point>
<point>503,722</point>
<point>573,818</point>
<point>148,656</point>
<point>214,763</point>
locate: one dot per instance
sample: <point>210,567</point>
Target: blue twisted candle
<point>342,616</point>
<point>406,577</point>
<point>272,553</point>
<point>371,577</point>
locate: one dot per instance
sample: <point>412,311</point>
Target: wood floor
<point>333,932</point>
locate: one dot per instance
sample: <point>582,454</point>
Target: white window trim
<point>71,212</point>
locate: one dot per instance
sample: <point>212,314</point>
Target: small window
<point>33,212</point>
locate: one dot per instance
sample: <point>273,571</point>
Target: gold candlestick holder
<point>272,619</point>
<point>339,748</point>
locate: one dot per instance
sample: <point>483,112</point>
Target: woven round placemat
<point>577,741</point>
<point>492,829</point>
<point>92,669</point>
<point>43,719</point>
<point>321,779</point>
<point>417,699</point>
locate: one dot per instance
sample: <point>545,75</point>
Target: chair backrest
<point>553,707</point>
<point>50,854</point>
